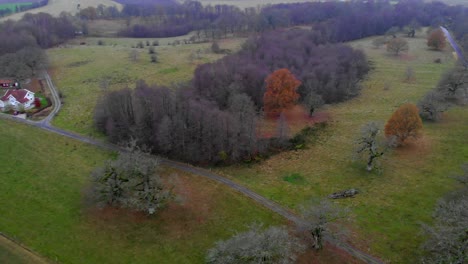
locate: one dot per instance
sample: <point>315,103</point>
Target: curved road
<point>45,124</point>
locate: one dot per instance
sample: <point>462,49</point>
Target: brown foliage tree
<point>397,45</point>
<point>405,123</point>
<point>436,40</point>
<point>280,92</point>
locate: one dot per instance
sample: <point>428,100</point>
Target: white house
<point>17,99</point>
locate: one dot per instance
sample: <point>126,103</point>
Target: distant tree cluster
<point>338,21</point>
<point>20,49</point>
<point>331,71</point>
<point>180,126</point>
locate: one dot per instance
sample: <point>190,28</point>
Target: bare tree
<point>133,55</point>
<point>432,106</point>
<point>318,216</point>
<point>370,146</point>
<point>254,246</point>
<point>397,45</point>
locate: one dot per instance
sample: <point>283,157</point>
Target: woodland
<point>294,55</point>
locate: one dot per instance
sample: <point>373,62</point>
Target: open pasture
<point>386,215</point>
<point>42,206</point>
<point>79,71</point>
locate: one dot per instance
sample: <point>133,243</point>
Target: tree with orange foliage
<point>280,92</point>
<point>436,40</point>
<point>405,123</point>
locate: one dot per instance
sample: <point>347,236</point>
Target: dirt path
<point>20,252</point>
<point>44,124</point>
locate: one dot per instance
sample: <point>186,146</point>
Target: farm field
<point>250,3</point>
<point>55,7</point>
<point>78,71</point>
<point>44,209</point>
<point>12,6</point>
<point>386,215</point>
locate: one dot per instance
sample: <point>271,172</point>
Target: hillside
<point>55,7</point>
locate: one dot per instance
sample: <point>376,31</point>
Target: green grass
<point>294,178</point>
<point>78,71</point>
<point>41,206</point>
<point>12,6</point>
<point>386,215</point>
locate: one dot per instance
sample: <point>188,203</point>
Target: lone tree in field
<point>130,181</point>
<point>404,123</point>
<point>255,246</point>
<point>436,40</point>
<point>370,146</point>
<point>432,105</point>
<point>397,45</point>
<point>318,216</point>
<point>280,92</point>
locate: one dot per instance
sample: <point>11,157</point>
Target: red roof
<point>19,95</point>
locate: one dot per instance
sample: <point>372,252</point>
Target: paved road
<point>45,124</point>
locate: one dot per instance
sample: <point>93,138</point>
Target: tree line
<point>22,8</point>
<point>340,21</point>
<point>21,53</point>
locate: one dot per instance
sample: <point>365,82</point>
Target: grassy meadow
<point>386,215</point>
<point>79,70</point>
<point>42,206</point>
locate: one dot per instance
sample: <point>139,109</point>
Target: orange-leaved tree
<point>405,123</point>
<point>436,40</point>
<point>280,92</point>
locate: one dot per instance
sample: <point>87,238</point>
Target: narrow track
<point>45,124</point>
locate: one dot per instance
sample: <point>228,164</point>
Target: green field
<point>12,6</point>
<point>41,205</point>
<point>79,70</point>
<point>386,216</point>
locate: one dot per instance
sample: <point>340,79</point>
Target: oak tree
<point>397,45</point>
<point>436,40</point>
<point>404,123</point>
<point>280,92</point>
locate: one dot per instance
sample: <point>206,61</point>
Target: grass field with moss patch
<point>386,215</point>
